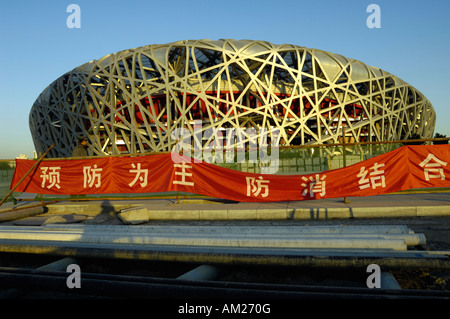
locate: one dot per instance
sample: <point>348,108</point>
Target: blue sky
<point>36,46</point>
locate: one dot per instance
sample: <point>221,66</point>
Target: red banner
<point>404,168</point>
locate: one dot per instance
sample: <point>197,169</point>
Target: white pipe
<point>337,229</point>
<point>148,235</point>
<point>232,240</point>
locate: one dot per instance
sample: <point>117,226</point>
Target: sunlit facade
<point>133,100</point>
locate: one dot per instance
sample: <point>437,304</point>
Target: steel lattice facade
<point>131,101</point>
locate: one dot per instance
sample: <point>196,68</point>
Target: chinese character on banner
<point>261,184</point>
<point>316,185</point>
<point>141,175</point>
<point>430,167</point>
<point>92,176</point>
<point>50,175</point>
<point>376,177</point>
<point>183,174</point>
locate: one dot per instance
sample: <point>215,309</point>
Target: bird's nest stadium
<point>132,101</point>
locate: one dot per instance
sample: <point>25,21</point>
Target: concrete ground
<point>424,212</point>
<point>136,211</point>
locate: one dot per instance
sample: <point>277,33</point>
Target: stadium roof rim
<point>246,47</point>
<point>138,96</point>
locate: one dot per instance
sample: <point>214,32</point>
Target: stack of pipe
<point>392,237</point>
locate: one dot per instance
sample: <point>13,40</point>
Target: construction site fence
<point>285,160</point>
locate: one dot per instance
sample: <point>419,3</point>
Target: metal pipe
<point>203,272</point>
<point>298,237</point>
<point>145,287</point>
<point>350,258</point>
<point>344,157</point>
<point>279,241</point>
<point>228,229</point>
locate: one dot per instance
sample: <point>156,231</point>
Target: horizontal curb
<point>135,212</point>
<point>147,214</point>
